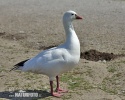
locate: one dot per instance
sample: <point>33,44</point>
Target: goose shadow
<point>24,94</point>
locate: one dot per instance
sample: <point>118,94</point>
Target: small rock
<point>22,91</point>
<point>104,61</point>
<point>99,61</point>
<point>22,32</point>
<point>45,87</point>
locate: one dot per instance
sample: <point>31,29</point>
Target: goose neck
<point>72,41</point>
<point>68,26</point>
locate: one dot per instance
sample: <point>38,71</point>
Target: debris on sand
<point>46,47</point>
<point>2,33</point>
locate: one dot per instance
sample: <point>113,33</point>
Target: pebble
<point>22,32</point>
<point>22,91</point>
<point>104,61</point>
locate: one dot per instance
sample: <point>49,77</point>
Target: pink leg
<point>56,94</point>
<point>58,89</point>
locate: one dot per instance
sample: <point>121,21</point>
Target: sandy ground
<point>26,26</point>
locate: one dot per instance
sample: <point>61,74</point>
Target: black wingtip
<point>18,65</point>
<point>15,67</point>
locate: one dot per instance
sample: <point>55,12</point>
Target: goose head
<point>70,16</point>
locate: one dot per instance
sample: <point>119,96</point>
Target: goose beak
<point>78,17</point>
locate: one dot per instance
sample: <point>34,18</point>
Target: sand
<point>27,26</point>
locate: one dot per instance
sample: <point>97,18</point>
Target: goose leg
<point>56,94</point>
<point>58,89</point>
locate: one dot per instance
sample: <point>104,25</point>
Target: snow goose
<point>57,60</point>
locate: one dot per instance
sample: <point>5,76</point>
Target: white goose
<point>55,61</point>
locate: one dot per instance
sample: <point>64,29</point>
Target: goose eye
<point>72,14</point>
